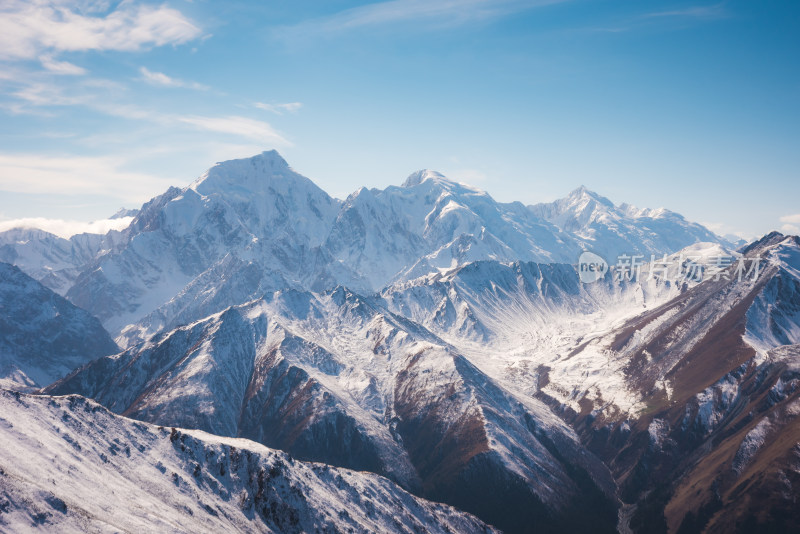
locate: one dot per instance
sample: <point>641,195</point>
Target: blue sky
<point>694,106</point>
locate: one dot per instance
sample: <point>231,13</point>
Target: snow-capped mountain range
<point>250,226</point>
<point>441,339</point>
<point>609,230</point>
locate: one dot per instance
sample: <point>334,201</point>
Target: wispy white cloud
<point>48,94</point>
<point>29,28</point>
<point>161,79</point>
<point>671,17</point>
<point>34,91</point>
<point>280,109</point>
<point>67,229</point>
<point>61,67</point>
<point>696,12</point>
<point>448,12</point>
<point>791,224</point>
<point>790,229</point>
<point>242,126</point>
<point>37,174</point>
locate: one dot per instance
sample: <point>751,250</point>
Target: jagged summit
<point>250,173</point>
<point>582,193</point>
<point>267,161</point>
<point>271,158</point>
<point>125,212</point>
<point>769,241</point>
<point>418,177</point>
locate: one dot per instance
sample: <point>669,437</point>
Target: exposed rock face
<point>717,447</point>
<point>42,335</point>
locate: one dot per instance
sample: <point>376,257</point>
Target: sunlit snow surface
<point>535,327</point>
<point>69,465</point>
<point>528,317</point>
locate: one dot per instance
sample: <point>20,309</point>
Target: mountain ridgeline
<point>247,227</point>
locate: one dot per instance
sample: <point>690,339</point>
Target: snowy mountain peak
<point>253,174</point>
<point>268,157</point>
<point>125,212</point>
<point>418,177</point>
<point>579,192</point>
<point>620,228</point>
<point>770,241</point>
<point>578,209</point>
<point>269,160</point>
<point>583,195</point>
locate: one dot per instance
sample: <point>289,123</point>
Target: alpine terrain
<point>286,361</point>
<point>42,335</point>
<point>109,474</point>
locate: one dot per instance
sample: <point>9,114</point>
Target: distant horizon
<point>688,105</point>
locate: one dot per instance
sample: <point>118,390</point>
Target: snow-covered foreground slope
<point>42,335</point>
<point>335,377</point>
<point>69,465</point>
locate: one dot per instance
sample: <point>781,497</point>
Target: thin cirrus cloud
<point>242,126</point>
<point>280,109</point>
<point>696,12</point>
<point>29,28</point>
<point>61,67</point>
<point>447,12</point>
<point>48,95</point>
<point>699,13</point>
<point>162,80</point>
<point>89,92</point>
